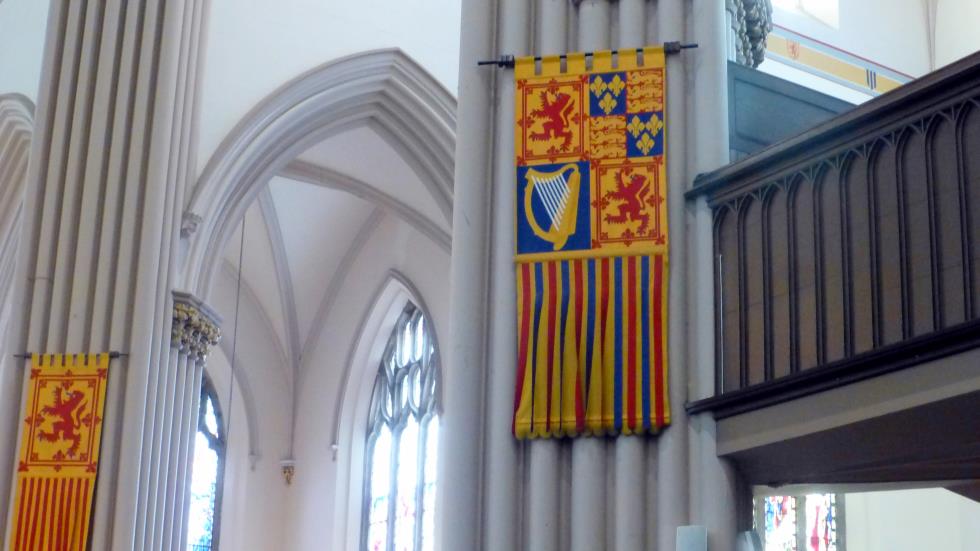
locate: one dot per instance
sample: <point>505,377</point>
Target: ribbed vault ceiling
<point>307,227</point>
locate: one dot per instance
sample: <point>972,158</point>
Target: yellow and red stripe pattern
<point>59,453</point>
<point>591,356</point>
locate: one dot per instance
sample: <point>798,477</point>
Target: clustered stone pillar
<point>624,493</point>
<point>195,331</point>
<point>111,156</point>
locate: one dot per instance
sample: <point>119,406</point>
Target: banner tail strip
<point>591,345</point>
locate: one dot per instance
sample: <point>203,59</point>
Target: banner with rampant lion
<point>592,245</point>
<point>59,452</point>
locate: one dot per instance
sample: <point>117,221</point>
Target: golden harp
<point>558,192</point>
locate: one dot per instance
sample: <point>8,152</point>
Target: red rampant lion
<point>68,413</point>
<point>630,197</point>
<point>555,114</point>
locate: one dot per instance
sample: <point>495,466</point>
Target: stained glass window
<point>206,474</point>
<point>780,514</point>
<point>402,438</point>
<point>811,522</point>
<point>821,522</point>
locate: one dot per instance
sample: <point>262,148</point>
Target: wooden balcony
<point>851,250</point>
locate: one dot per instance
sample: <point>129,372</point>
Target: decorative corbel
<point>195,327</point>
<point>288,470</point>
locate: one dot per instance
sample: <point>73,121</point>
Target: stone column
<point>109,164</point>
<point>588,530</point>
<point>503,465</point>
<point>712,480</point>
<point>194,332</point>
<point>672,496</point>
<point>545,495</point>
<point>461,438</point>
<point>542,494</point>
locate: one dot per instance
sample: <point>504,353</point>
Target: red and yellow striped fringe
<point>59,452</point>
<point>592,343</point>
<point>52,513</point>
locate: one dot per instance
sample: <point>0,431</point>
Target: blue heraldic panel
<point>553,208</point>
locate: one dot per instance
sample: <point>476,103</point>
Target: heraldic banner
<point>592,244</point>
<point>59,452</point>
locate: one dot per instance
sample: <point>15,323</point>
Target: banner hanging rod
<point>113,354</point>
<point>507,61</point>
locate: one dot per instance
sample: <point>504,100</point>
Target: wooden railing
<point>852,249</point>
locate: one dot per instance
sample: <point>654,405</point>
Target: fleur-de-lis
<point>598,86</point>
<point>654,124</point>
<point>608,103</point>
<point>645,144</point>
<point>636,126</point>
<point>616,85</point>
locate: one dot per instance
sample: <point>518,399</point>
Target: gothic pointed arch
<point>384,90</point>
<point>357,392</point>
<point>16,131</point>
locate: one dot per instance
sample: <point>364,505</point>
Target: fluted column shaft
<point>713,480</point>
<point>178,455</point>
<point>195,376</point>
<point>542,492</point>
<point>194,332</point>
<point>461,446</point>
<point>588,529</point>
<point>672,464</point>
<point>503,466</point>
<point>107,174</point>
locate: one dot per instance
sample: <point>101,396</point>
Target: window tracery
<point>402,439</point>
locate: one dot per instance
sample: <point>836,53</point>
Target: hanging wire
<point>234,333</point>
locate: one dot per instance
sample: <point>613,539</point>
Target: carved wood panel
<point>839,254</point>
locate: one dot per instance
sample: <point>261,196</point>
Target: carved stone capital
<point>196,327</point>
<point>751,24</point>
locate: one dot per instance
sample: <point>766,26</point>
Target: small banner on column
<point>592,245</point>
<point>59,452</point>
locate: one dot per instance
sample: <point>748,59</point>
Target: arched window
<point>402,438</point>
<point>204,516</point>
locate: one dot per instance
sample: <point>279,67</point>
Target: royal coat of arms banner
<point>59,452</point>
<point>592,245</point>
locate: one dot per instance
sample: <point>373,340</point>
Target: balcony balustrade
<point>850,250</point>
